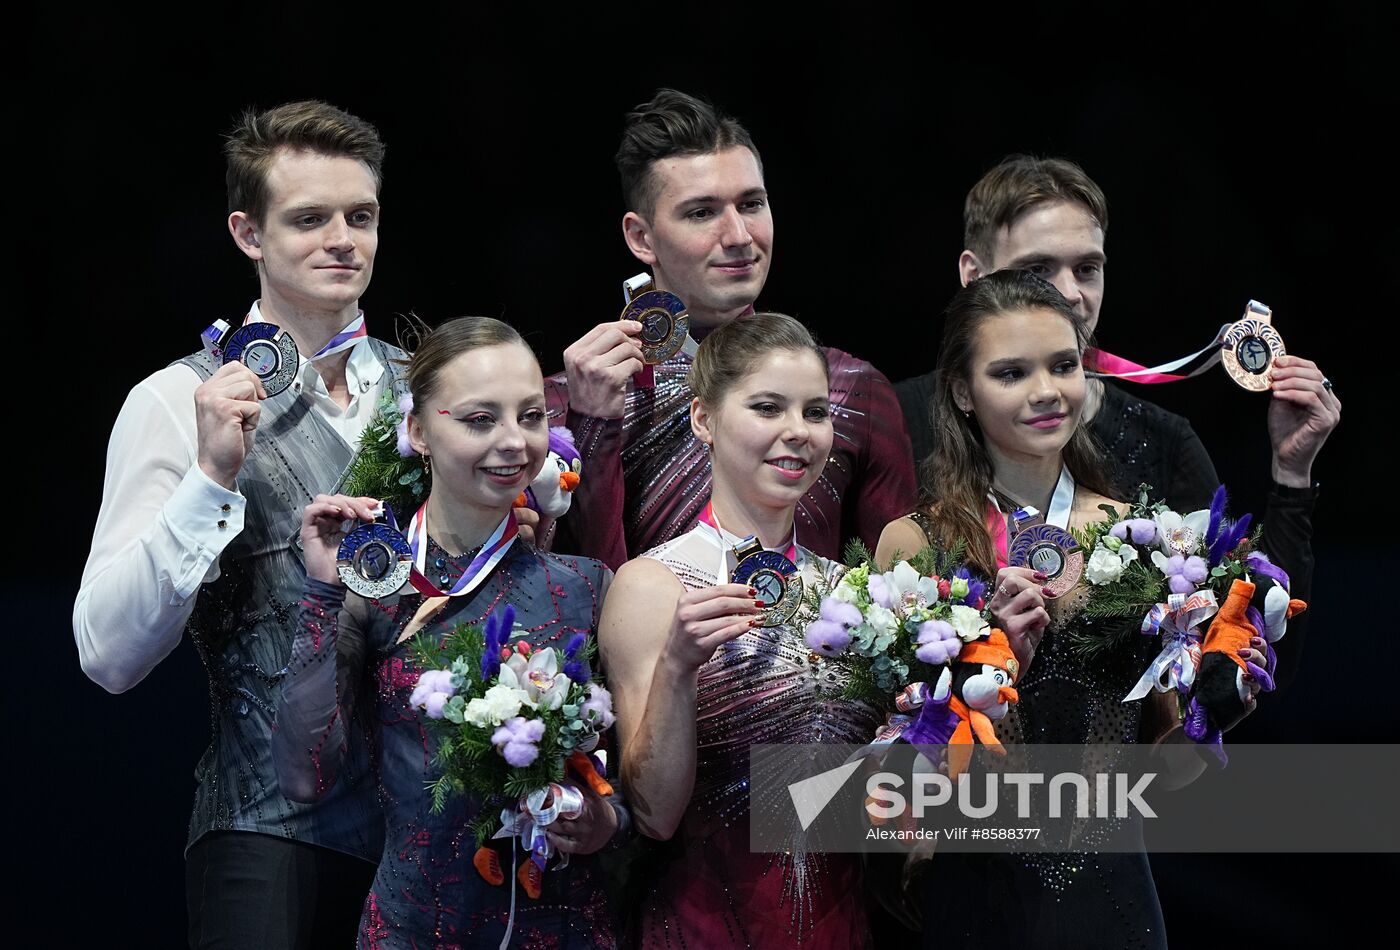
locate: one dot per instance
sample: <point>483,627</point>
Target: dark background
<point>1238,163</point>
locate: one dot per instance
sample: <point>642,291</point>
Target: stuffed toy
<point>551,492</point>
<point>487,860</point>
<point>1258,608</point>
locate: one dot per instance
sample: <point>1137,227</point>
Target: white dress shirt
<point>163,523</point>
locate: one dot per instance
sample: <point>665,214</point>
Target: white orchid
<point>538,677</point>
<point>908,588</point>
<point>1181,534</point>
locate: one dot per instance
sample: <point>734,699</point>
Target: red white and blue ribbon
<point>491,554</point>
<point>354,331</point>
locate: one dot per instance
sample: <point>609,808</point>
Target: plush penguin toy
<point>551,492</point>
<point>1257,608</point>
<point>978,690</point>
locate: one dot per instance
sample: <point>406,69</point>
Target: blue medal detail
<point>1050,550</point>
<point>773,576</point>
<point>267,350</point>
<point>665,324</point>
<point>374,560</point>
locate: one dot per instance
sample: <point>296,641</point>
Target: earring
<point>427,469</point>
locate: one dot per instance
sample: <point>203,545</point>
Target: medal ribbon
<point>707,517</point>
<point>999,526</point>
<point>1101,365</point>
<point>477,571</point>
<point>353,333</point>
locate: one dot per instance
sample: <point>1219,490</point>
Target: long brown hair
<point>957,475</point>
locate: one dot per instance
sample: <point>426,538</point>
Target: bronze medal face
<point>665,324</point>
<point>1052,551</point>
<point>1248,351</point>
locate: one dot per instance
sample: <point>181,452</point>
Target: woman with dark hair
<point>701,667</point>
<point>1007,439</point>
<point>478,421</point>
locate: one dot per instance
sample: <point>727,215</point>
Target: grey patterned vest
<point>242,627</point>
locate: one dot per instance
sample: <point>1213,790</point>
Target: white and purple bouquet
<point>508,718</point>
<point>893,627</point>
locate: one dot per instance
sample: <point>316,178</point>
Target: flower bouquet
<point>1167,574</point>
<point>918,644</point>
<point>508,720</point>
<point>891,627</point>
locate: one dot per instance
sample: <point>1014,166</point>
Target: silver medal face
<point>665,324</point>
<point>777,582</point>
<point>267,350</point>
<point>374,560</point>
<point>1248,351</point>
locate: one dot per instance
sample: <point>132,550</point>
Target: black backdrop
<point>1238,163</point>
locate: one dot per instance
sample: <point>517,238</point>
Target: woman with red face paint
<point>478,421</point>
<point>704,662</point>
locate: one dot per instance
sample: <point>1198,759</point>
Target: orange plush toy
<point>978,690</point>
<point>1218,696</point>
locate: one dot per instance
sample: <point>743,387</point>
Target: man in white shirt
<point>206,476</point>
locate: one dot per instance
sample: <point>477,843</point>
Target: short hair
<point>1015,186</point>
<point>729,353</point>
<point>671,123</point>
<point>310,125</point>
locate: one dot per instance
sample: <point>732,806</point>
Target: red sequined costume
<point>711,891</point>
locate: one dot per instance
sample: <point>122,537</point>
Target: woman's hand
<point>1018,607</point>
<point>590,831</point>
<point>706,618</point>
<point>323,527</point>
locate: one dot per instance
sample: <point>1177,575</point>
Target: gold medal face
<point>1248,351</point>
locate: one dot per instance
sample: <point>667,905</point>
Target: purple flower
<point>1179,584</point>
<point>880,592</point>
<point>433,690</point>
<point>1194,570</point>
<point>576,671</point>
<point>406,449</point>
<point>838,611</point>
<point>1143,530</point>
<point>1119,530</point>
<point>827,637</point>
<point>938,642</point>
<point>576,643</point>
<point>597,707</point>
<point>498,628</point>
<point>517,740</point>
